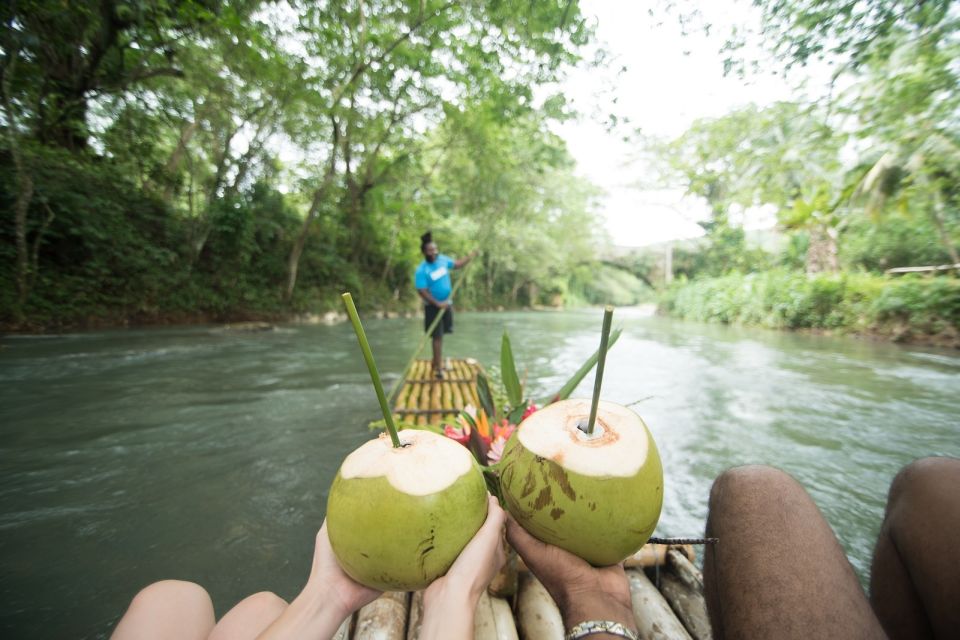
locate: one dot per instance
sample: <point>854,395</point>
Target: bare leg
<point>778,571</point>
<point>249,617</point>
<point>437,354</point>
<point>915,577</point>
<point>171,609</point>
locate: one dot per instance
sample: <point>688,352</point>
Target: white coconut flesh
<point>617,447</point>
<point>425,463</point>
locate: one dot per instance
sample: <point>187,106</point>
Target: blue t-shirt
<point>435,276</point>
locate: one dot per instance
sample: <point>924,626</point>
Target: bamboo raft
<point>666,592</point>
<point>666,588</point>
<point>424,400</point>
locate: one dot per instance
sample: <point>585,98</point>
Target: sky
<point>670,80</point>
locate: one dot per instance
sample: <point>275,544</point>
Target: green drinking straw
<point>371,366</point>
<point>602,357</point>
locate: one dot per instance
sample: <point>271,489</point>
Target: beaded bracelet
<point>590,627</point>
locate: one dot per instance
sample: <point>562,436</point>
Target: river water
<point>205,455</point>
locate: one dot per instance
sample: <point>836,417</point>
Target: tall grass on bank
<point>901,307</point>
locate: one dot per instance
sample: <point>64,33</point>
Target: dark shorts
<point>446,322</point>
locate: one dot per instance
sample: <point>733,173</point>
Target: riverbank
<point>238,320</point>
<point>906,309</point>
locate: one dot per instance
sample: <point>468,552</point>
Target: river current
<point>203,454</point>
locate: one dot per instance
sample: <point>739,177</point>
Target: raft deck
<point>666,592</point>
<point>423,399</point>
<point>666,589</point>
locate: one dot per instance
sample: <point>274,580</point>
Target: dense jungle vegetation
<point>178,160</point>
<point>863,180</point>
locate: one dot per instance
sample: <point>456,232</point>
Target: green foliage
<point>894,241</point>
<point>850,301</point>
<point>593,284</point>
<point>99,242</point>
<point>508,369</point>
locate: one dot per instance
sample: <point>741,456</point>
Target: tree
<point>406,66</point>
<point>784,155</point>
<point>909,104</point>
<point>72,53</point>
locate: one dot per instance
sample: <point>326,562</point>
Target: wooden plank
<point>654,617</point>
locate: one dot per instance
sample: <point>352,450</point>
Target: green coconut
<point>598,496</point>
<point>398,517</point>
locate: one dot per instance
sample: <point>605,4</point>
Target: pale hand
<point>449,598</point>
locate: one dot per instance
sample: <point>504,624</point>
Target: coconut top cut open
<point>426,463</point>
<point>617,447</point>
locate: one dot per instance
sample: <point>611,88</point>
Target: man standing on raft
<point>433,283</point>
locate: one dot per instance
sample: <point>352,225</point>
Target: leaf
<point>508,369</point>
<point>478,447</point>
<point>582,372</point>
<point>486,398</point>
<point>517,413</point>
<point>469,419</point>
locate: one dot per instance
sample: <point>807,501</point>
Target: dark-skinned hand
<point>583,592</point>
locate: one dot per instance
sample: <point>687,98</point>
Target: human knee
<point>924,478</point>
<point>921,473</point>
<point>265,601</point>
<point>166,591</point>
<point>749,481</point>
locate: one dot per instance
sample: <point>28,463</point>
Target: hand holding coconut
<point>328,598</point>
<point>582,592</point>
<point>401,509</point>
<point>585,476</point>
<point>450,602</point>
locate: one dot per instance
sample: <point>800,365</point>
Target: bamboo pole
<point>538,617</point>
<point>343,633</point>
<point>413,397</point>
<point>682,585</point>
<point>447,395</point>
<point>653,616</point>
<point>687,604</point>
<point>402,398</point>
<point>493,619</point>
<point>416,616</point>
<point>505,583</point>
<point>457,395</point>
<point>436,396</point>
<point>425,399</point>
<point>383,619</point>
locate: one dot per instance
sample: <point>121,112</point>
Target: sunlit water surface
<point>205,455</point>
